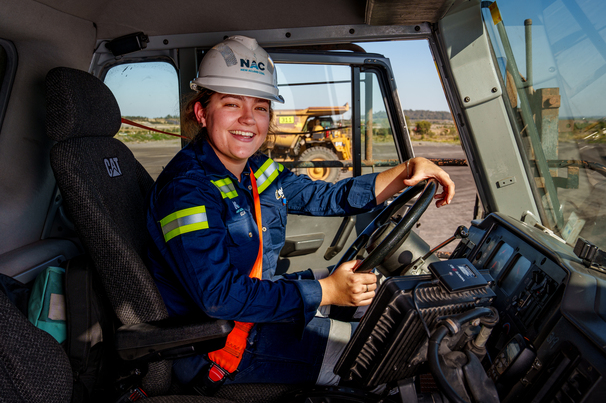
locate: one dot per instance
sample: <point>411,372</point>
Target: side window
<point>148,94</point>
<point>314,124</point>
<point>8,65</point>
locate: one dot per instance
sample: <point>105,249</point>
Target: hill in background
<point>427,115</point>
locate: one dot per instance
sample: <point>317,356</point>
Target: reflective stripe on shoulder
<point>268,172</point>
<point>226,187</point>
<point>184,221</point>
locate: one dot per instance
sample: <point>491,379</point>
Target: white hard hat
<point>239,66</point>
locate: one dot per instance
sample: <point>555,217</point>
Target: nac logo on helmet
<point>252,66</point>
<point>112,166</point>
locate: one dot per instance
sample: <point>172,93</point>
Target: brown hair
<point>189,123</point>
<point>192,128</point>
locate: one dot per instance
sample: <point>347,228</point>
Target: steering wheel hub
<point>384,238</point>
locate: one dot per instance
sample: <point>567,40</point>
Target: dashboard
<point>552,312</point>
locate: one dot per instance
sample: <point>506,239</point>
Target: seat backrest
<point>104,191</point>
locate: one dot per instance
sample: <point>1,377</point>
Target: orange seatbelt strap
<point>229,357</point>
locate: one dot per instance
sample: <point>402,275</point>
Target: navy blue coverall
<point>201,219</point>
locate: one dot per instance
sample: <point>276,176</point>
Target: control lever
<point>347,225</point>
<point>414,268</point>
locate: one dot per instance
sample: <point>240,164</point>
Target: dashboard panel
<point>526,281</point>
<point>547,300</point>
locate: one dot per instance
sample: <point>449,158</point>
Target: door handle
<point>347,225</point>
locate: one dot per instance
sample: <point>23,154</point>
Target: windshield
<point>552,58</point>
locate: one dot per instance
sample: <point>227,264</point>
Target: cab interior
<point>548,344</point>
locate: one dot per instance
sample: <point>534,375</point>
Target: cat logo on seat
<point>112,166</point>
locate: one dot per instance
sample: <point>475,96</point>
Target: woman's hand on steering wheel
<point>421,169</point>
<point>409,174</point>
<point>344,287</point>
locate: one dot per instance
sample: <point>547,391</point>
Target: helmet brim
<point>246,92</point>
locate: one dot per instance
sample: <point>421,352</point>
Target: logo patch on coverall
<point>239,210</point>
<point>280,195</point>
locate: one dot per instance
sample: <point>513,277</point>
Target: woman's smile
<point>240,133</point>
<point>237,127</point>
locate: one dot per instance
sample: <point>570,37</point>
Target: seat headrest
<point>78,104</point>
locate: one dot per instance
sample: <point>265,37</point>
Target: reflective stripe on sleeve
<point>268,172</point>
<point>226,187</point>
<point>184,221</point>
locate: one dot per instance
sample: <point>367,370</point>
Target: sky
<point>415,72</point>
<point>150,89</point>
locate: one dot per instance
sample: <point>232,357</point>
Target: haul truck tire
<point>319,154</point>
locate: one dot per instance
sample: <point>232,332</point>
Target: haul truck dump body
<point>312,134</point>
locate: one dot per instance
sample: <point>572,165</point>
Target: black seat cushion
<point>33,366</point>
<point>104,189</point>
<point>108,210</point>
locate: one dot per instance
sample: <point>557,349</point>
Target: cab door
<point>341,118</point>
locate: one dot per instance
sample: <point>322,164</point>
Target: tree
<point>423,127</point>
<point>408,122</point>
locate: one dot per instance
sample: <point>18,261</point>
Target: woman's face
<point>237,126</point>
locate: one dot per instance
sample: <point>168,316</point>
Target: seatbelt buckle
<point>216,374</point>
<point>133,395</point>
<point>210,381</point>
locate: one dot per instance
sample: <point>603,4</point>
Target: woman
<point>217,216</point>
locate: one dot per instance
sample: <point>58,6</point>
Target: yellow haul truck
<point>316,133</point>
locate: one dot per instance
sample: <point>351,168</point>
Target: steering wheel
<point>392,240</point>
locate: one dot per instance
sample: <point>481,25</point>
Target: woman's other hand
<point>346,288</point>
<point>410,173</point>
<point>421,169</point>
